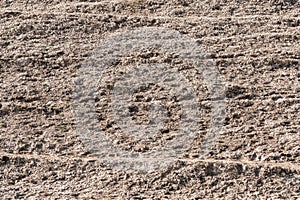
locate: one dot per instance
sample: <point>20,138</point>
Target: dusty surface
<point>255,46</point>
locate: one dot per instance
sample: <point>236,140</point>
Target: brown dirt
<point>255,46</point>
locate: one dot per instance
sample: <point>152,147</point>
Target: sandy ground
<point>255,46</point>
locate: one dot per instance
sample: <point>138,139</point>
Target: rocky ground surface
<point>255,46</point>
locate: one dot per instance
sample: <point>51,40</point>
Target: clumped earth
<point>255,47</point>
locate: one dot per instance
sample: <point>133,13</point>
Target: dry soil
<point>255,46</point>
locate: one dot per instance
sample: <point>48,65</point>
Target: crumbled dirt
<point>254,44</point>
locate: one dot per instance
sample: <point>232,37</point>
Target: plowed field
<point>254,45</point>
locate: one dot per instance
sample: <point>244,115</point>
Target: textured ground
<point>255,46</point>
